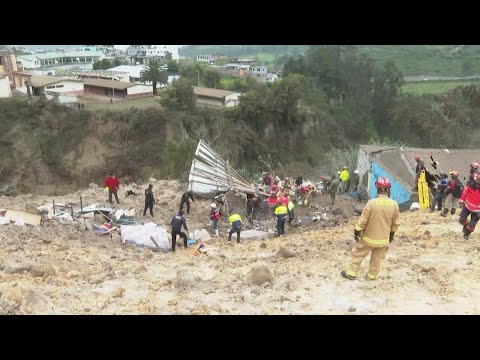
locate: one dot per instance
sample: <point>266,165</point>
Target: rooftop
<point>119,85</point>
<point>215,93</point>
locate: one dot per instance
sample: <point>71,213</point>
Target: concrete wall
<point>139,90</point>
<point>73,87</point>
<point>364,165</point>
<point>232,100</point>
<point>5,87</point>
<point>398,192</point>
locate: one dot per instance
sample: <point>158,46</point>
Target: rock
<point>285,253</point>
<point>140,269</point>
<point>96,279</point>
<point>80,226</point>
<point>216,307</point>
<point>3,312</point>
<point>352,309</point>
<point>200,235</point>
<point>72,274</point>
<point>35,303</point>
<point>337,211</point>
<point>469,263</point>
<point>16,268</point>
<point>196,312</point>
<point>263,246</point>
<point>185,280</point>
<point>42,271</point>
<point>93,186</point>
<point>118,292</point>
<point>172,302</point>
<point>284,298</point>
<point>260,274</point>
<point>427,232</point>
<point>86,309</point>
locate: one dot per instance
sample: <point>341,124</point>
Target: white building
<point>43,84</point>
<point>259,72</point>
<point>271,77</point>
<point>52,59</point>
<point>216,97</point>
<point>205,58</point>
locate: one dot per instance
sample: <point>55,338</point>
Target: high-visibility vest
<point>234,217</point>
<point>282,209</point>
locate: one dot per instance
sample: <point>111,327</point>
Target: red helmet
<point>475,165</point>
<point>322,178</point>
<point>383,182</point>
<point>284,200</point>
<point>417,158</point>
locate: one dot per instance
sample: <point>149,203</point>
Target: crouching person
<point>374,231</point>
<point>177,222</point>
<point>236,222</point>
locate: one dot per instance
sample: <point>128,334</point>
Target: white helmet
<point>355,172</point>
<point>213,205</point>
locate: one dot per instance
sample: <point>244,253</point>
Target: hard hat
<point>417,158</point>
<point>322,178</point>
<point>339,173</point>
<point>213,205</point>
<point>475,165</point>
<point>284,200</point>
<point>383,182</point>
<point>355,172</point>
<point>454,173</point>
<point>345,168</point>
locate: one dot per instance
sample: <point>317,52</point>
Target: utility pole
<point>198,78</point>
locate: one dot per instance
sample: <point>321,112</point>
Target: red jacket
<point>214,215</point>
<point>471,198</point>
<point>112,183</point>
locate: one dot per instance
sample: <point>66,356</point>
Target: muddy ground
<point>58,269</point>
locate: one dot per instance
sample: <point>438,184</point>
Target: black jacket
<point>177,222</point>
<point>187,195</point>
<point>149,199</point>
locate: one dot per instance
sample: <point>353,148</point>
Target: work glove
<point>357,234</point>
<point>391,236</point>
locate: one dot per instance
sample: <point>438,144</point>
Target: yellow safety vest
<point>290,205</point>
<point>282,209</point>
<point>234,217</point>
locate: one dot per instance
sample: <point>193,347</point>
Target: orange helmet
<point>417,158</point>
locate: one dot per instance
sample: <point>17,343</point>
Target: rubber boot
<point>216,233</point>
<point>445,212</point>
<point>346,276</point>
<point>238,238</point>
<point>466,232</point>
<point>452,211</point>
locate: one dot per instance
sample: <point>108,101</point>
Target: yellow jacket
<point>344,175</point>
<point>280,210</point>
<point>234,217</point>
<point>290,205</point>
<point>379,218</point>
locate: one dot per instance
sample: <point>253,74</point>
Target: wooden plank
<point>30,219</point>
<point>153,240</point>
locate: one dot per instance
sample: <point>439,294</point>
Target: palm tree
<point>153,73</point>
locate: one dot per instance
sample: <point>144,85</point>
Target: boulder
<point>260,274</point>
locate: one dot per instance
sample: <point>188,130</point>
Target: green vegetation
<point>108,64</point>
<point>154,74</point>
<point>433,87</point>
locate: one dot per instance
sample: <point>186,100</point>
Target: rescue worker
<point>112,184</point>
<point>214,217</point>
<point>291,213</point>
<point>332,188</point>
<point>267,181</point>
<point>235,221</point>
<point>470,204</point>
<point>345,180</point>
<point>355,180</point>
<point>473,170</point>
<point>418,169</point>
<point>453,192</point>
<point>287,185</point>
<point>149,200</point>
<point>186,195</point>
<point>440,193</point>
<point>281,212</point>
<point>177,222</point>
<point>374,231</point>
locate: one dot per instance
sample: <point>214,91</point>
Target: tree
<point>211,79</point>
<point>172,65</point>
<point>154,73</point>
<point>168,55</point>
<point>102,64</point>
<point>179,96</point>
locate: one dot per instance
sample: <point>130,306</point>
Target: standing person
<point>453,192</point>
<point>281,213</point>
<point>112,184</point>
<point>291,213</point>
<point>332,188</point>
<point>177,222</point>
<point>354,182</point>
<point>82,105</point>
<point>418,169</point>
<point>473,170</point>
<point>78,105</point>
<point>345,180</point>
<point>149,200</point>
<point>440,193</point>
<point>374,231</point>
<point>470,204</point>
<point>235,221</point>
<point>186,195</point>
<point>267,181</point>
<point>214,217</point>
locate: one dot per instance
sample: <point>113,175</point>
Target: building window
<point>59,86</point>
<point>51,87</point>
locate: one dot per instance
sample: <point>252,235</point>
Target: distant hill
<point>441,60</point>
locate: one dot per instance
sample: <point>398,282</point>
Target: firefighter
<point>345,180</point>
<point>281,212</point>
<point>214,217</point>
<point>473,170</point>
<point>453,192</point>
<point>374,231</point>
<point>470,204</point>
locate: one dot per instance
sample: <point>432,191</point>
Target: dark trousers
<point>148,205</point>
<point>183,202</point>
<point>281,224</point>
<point>469,225</point>
<point>110,196</point>
<point>438,199</point>
<point>291,216</point>
<point>174,238</point>
<point>236,227</point>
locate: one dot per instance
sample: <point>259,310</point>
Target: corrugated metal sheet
<point>209,174</point>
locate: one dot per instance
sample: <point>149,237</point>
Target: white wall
<point>5,87</point>
<point>61,97</point>
<point>139,89</point>
<point>232,100</point>
<point>68,86</point>
<point>364,165</point>
<point>29,64</point>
